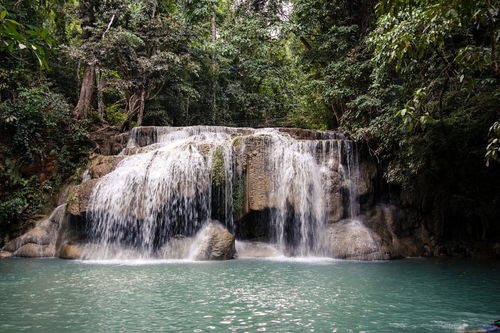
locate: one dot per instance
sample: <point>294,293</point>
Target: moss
<point>238,192</point>
<point>236,141</point>
<point>218,170</point>
<point>72,198</point>
<point>77,175</point>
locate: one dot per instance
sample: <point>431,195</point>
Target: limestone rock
<point>351,239</point>
<point>257,182</point>
<point>214,242</point>
<point>335,207</point>
<point>13,245</point>
<point>70,251</point>
<point>40,240</point>
<point>62,196</point>
<point>32,250</point>
<point>367,173</point>
<point>101,165</point>
<point>37,235</point>
<point>5,254</point>
<point>109,140</point>
<point>79,198</point>
<point>412,240</point>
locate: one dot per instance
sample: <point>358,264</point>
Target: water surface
<point>308,295</point>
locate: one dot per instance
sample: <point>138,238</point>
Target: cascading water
<point>174,180</point>
<point>298,171</point>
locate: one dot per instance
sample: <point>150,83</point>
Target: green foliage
<point>238,197</point>
<point>441,60</point>
<point>15,37</point>
<point>32,121</point>
<point>493,148</point>
<point>115,114</point>
<point>218,169</point>
<point>10,209</point>
<point>236,141</point>
<point>334,59</point>
<point>41,146</point>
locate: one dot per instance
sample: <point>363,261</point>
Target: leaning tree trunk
<point>101,108</point>
<point>86,91</point>
<point>140,116</point>
<point>135,108</point>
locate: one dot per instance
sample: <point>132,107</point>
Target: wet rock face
<point>257,175</point>
<point>70,251</point>
<point>32,250</point>
<point>5,254</point>
<point>79,197</point>
<point>350,239</point>
<point>39,241</point>
<point>214,242</point>
<point>101,165</point>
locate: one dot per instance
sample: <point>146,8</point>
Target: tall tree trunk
<point>100,87</point>
<point>86,91</point>
<point>140,116</point>
<point>87,13</point>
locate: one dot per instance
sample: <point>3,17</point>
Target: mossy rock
<point>218,169</point>
<point>236,141</point>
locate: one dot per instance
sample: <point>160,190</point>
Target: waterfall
<point>174,180</point>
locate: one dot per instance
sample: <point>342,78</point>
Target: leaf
<point>12,21</point>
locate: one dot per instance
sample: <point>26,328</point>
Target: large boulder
<point>412,240</point>
<point>40,240</point>
<point>214,242</point>
<point>70,251</point>
<point>351,239</point>
<point>32,250</point>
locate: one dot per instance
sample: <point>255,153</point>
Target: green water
<point>415,295</point>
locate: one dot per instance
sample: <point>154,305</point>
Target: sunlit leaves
<point>493,148</point>
<point>14,36</point>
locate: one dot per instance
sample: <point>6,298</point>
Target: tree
<point>333,57</point>
<point>87,11</point>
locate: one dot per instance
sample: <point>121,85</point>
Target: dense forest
<point>416,82</point>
